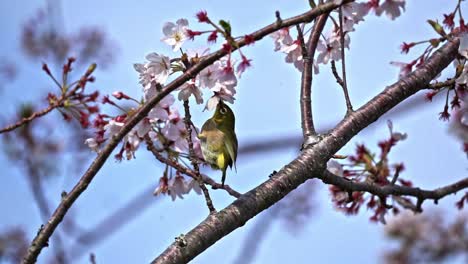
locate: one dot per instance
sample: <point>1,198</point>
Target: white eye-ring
<point>222,110</point>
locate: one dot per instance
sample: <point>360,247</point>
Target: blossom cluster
<point>74,101</point>
<point>426,238</point>
<point>164,125</point>
<point>369,167</point>
<point>329,48</point>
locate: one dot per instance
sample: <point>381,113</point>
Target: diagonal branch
<point>46,231</point>
<point>26,120</point>
<point>309,164</point>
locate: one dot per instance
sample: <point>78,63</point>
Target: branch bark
<point>308,128</point>
<point>46,231</point>
<point>309,164</point>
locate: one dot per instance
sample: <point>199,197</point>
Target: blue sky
<point>266,106</point>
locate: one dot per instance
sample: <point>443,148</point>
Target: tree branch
<point>44,233</point>
<point>309,164</point>
<point>198,177</point>
<point>392,189</point>
<point>26,120</point>
<point>308,128</point>
<point>349,106</point>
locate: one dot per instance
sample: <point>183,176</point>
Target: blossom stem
<point>349,106</point>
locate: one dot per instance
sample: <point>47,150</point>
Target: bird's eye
<point>222,110</point>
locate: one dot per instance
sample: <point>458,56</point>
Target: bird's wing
<point>208,125</point>
<point>232,148</point>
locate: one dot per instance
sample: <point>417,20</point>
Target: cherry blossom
<point>113,127</point>
<point>161,111</point>
<point>175,34</point>
<point>208,76</point>
<point>459,123</point>
<point>405,68</point>
<point>243,65</point>
<point>335,167</point>
<point>396,136</point>
<point>355,11</point>
<point>179,186</point>
<point>281,38</point>
<point>92,144</point>
<point>131,144</point>
<point>155,71</point>
<point>193,185</point>
<point>189,88</point>
<point>159,66</point>
<point>294,54</point>
<point>143,127</point>
<point>163,186</point>
<point>220,79</point>
<point>391,8</point>
<point>328,50</point>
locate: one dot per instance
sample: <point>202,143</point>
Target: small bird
<point>218,139</point>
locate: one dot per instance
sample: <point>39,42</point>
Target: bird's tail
<point>223,178</point>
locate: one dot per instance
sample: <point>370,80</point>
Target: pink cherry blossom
<point>391,8</point>
<point>189,88</point>
<point>175,34</point>
<point>92,144</point>
<point>294,54</point>
<point>405,68</point>
<point>161,111</point>
<point>113,127</point>
<point>281,38</point>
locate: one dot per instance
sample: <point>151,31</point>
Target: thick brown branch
<point>43,235</point>
<point>308,128</point>
<point>310,163</point>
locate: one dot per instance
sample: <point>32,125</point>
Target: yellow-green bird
<point>218,139</point>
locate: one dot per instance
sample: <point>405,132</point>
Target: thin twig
<point>52,106</point>
<point>349,106</point>
<point>26,120</point>
<point>395,177</point>
<point>335,73</point>
<point>300,37</point>
<point>441,85</point>
<point>188,127</point>
<point>391,189</point>
<point>184,170</point>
